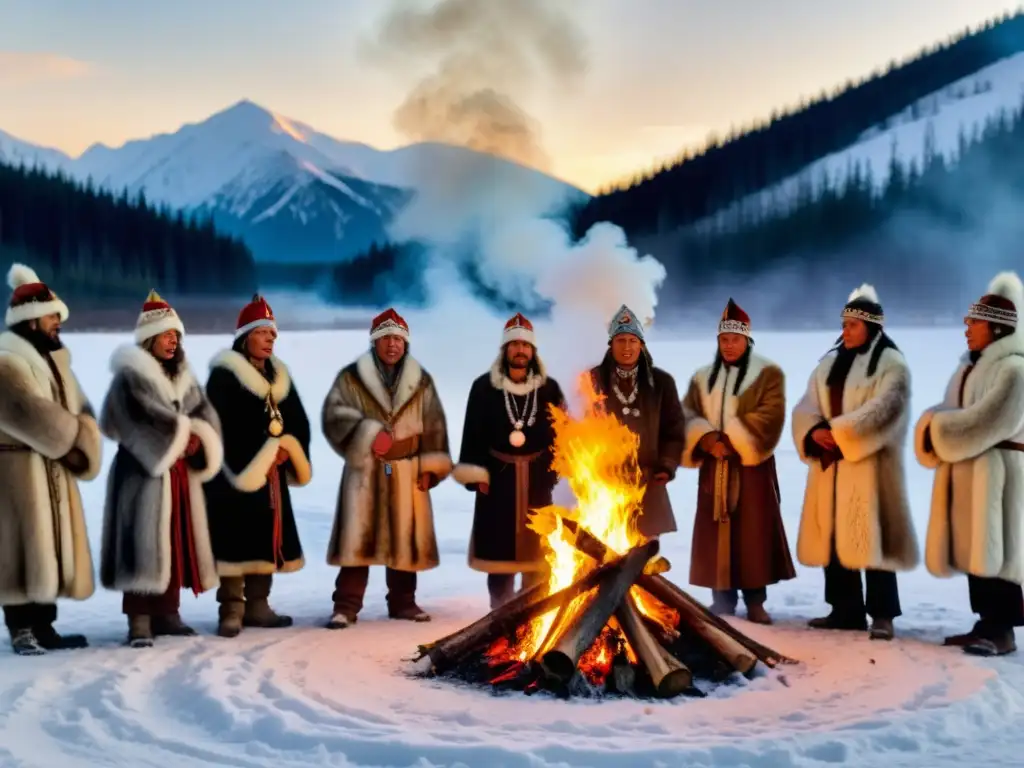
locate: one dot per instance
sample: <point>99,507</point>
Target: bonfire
<point>607,620</point>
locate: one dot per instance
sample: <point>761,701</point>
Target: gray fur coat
<point>151,417</point>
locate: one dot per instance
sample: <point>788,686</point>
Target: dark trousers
<point>730,598</point>
<point>167,604</point>
<point>502,586</point>
<point>350,587</point>
<point>29,616</point>
<point>998,603</point>
<point>845,592</point>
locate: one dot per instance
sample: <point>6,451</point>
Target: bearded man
<point>975,440</point>
<point>49,440</point>
<point>383,416</point>
<point>156,538</point>
<point>266,450</point>
<point>850,428</point>
<point>735,410</point>
<point>646,400</point>
<point>507,449</point>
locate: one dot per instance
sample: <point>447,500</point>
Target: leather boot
<point>171,626</point>
<point>140,631</point>
<point>258,612</point>
<point>231,596</point>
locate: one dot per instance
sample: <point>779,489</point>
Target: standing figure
<point>156,538</point>
<point>507,449</point>
<point>850,429</point>
<point>646,400</point>
<point>975,439</point>
<point>383,416</point>
<point>49,440</point>
<point>734,412</point>
<point>266,450</point>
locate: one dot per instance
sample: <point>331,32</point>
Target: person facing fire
<point>646,400</point>
<point>266,450</point>
<point>974,439</point>
<point>156,539</point>
<point>505,459</point>
<point>49,441</point>
<point>850,428</point>
<point>383,416</point>
<point>734,411</point>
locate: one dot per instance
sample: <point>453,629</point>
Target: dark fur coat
<point>151,418</point>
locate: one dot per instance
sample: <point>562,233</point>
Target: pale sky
<point>662,74</point>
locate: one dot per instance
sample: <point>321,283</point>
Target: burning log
<point>585,625</point>
<point>670,676</point>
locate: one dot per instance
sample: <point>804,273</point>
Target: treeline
<point>381,275</point>
<point>703,181</point>
<point>927,231</point>
<point>95,244</point>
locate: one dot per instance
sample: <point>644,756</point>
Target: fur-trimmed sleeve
<point>671,428</point>
<point>879,422</point>
<point>965,433</point>
<point>348,429</point>
<point>41,424</point>
<point>295,441</point>
<point>88,440</point>
<point>435,455</point>
<point>756,428</point>
<point>205,424</point>
<point>925,455</point>
<point>473,456</point>
<point>807,416</point>
<point>135,418</point>
<point>696,425</point>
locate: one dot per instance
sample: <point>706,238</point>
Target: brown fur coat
<point>40,494</point>
<point>382,520</point>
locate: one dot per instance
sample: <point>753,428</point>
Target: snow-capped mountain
<point>17,152</point>
<point>292,193</point>
<point>934,123</point>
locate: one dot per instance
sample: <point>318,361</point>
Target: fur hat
<point>389,323</point>
<point>256,314</point>
<point>625,321</point>
<point>1000,304</point>
<point>863,304</point>
<point>518,329</point>
<point>31,298</point>
<point>734,320</point>
<point>157,316</point>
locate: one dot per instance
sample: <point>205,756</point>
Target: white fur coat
<point>977,509</point>
<point>861,501</point>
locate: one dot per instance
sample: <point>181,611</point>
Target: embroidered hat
<point>518,329</point>
<point>1000,304</point>
<point>734,320</point>
<point>389,323</point>
<point>256,314</point>
<point>157,316</point>
<point>863,304</point>
<point>625,321</point>
<point>31,298</point>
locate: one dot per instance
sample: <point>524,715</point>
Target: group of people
<point>198,494</point>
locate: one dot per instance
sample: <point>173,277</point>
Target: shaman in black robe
<point>520,478</point>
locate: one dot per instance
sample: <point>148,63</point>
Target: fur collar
<point>727,376</point>
<point>131,357</point>
<point>994,353</point>
<point>408,381</point>
<point>14,344</point>
<point>500,381</point>
<point>252,379</point>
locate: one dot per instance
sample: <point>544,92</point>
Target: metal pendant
<point>517,439</point>
<point>275,427</point>
<point>387,468</point>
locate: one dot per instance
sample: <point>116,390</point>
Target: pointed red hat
<point>518,329</point>
<point>157,316</point>
<point>256,314</point>
<point>734,320</point>
<point>388,323</point>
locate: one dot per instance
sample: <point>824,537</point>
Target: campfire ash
<point>605,622</point>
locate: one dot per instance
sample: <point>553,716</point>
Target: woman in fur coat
<point>734,413</point>
<point>156,540</point>
<point>850,428</point>
<point>974,439</point>
<point>266,450</point>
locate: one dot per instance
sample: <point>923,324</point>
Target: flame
<point>597,455</point>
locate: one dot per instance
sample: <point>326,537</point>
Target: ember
<point>605,622</point>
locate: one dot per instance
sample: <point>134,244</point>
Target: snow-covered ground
<point>308,696</point>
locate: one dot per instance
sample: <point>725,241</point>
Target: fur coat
<point>252,523</point>
<point>860,502</point>
<point>977,509</point>
<point>519,479</point>
<point>151,418</point>
<point>382,519</point>
<point>40,495</point>
<point>739,541</point>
